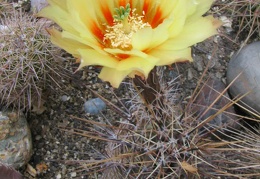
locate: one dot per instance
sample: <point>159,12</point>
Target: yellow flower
<point>129,37</point>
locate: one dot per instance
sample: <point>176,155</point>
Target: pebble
<point>219,75</point>
<point>64,98</point>
<point>198,64</point>
<point>58,176</point>
<point>94,106</point>
<point>38,137</point>
<point>246,62</point>
<point>3,28</point>
<point>73,174</point>
<point>37,5</point>
<point>190,75</point>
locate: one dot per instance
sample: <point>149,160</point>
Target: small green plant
<point>28,60</point>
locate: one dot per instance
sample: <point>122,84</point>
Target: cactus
<point>28,60</point>
<point>145,145</point>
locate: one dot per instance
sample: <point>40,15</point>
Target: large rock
<point>246,65</point>
<point>15,139</point>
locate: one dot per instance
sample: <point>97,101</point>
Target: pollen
<point>120,34</point>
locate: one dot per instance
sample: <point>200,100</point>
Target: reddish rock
<point>9,173</point>
<point>206,97</point>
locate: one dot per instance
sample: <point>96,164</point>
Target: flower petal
<point>88,44</point>
<point>175,26</point>
<point>132,52</point>
<point>148,38</point>
<point>58,15</point>
<point>198,8</point>
<point>193,33</point>
<point>143,65</point>
<point>171,56</point>
<point>84,17</point>
<point>92,57</point>
<point>138,5</point>
<point>166,8</point>
<point>71,46</point>
<point>62,4</point>
<point>105,11</point>
<point>113,76</point>
<point>82,22</point>
<point>178,16</point>
<point>138,61</point>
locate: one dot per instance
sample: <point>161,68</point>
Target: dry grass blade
<point>245,15</point>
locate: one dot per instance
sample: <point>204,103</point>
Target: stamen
<point>125,25</point>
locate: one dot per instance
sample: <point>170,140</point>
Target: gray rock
<point>94,106</point>
<point>15,139</point>
<point>246,62</point>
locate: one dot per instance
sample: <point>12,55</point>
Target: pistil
<point>122,15</point>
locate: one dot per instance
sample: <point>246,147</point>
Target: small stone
<point>190,75</point>
<point>63,169</point>
<point>3,27</point>
<point>219,75</point>
<point>94,106</point>
<point>38,137</point>
<point>58,176</point>
<point>64,98</point>
<point>31,170</point>
<point>73,174</point>
<point>198,64</point>
<point>246,65</point>
<point>37,5</point>
<point>227,22</point>
<point>216,39</point>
